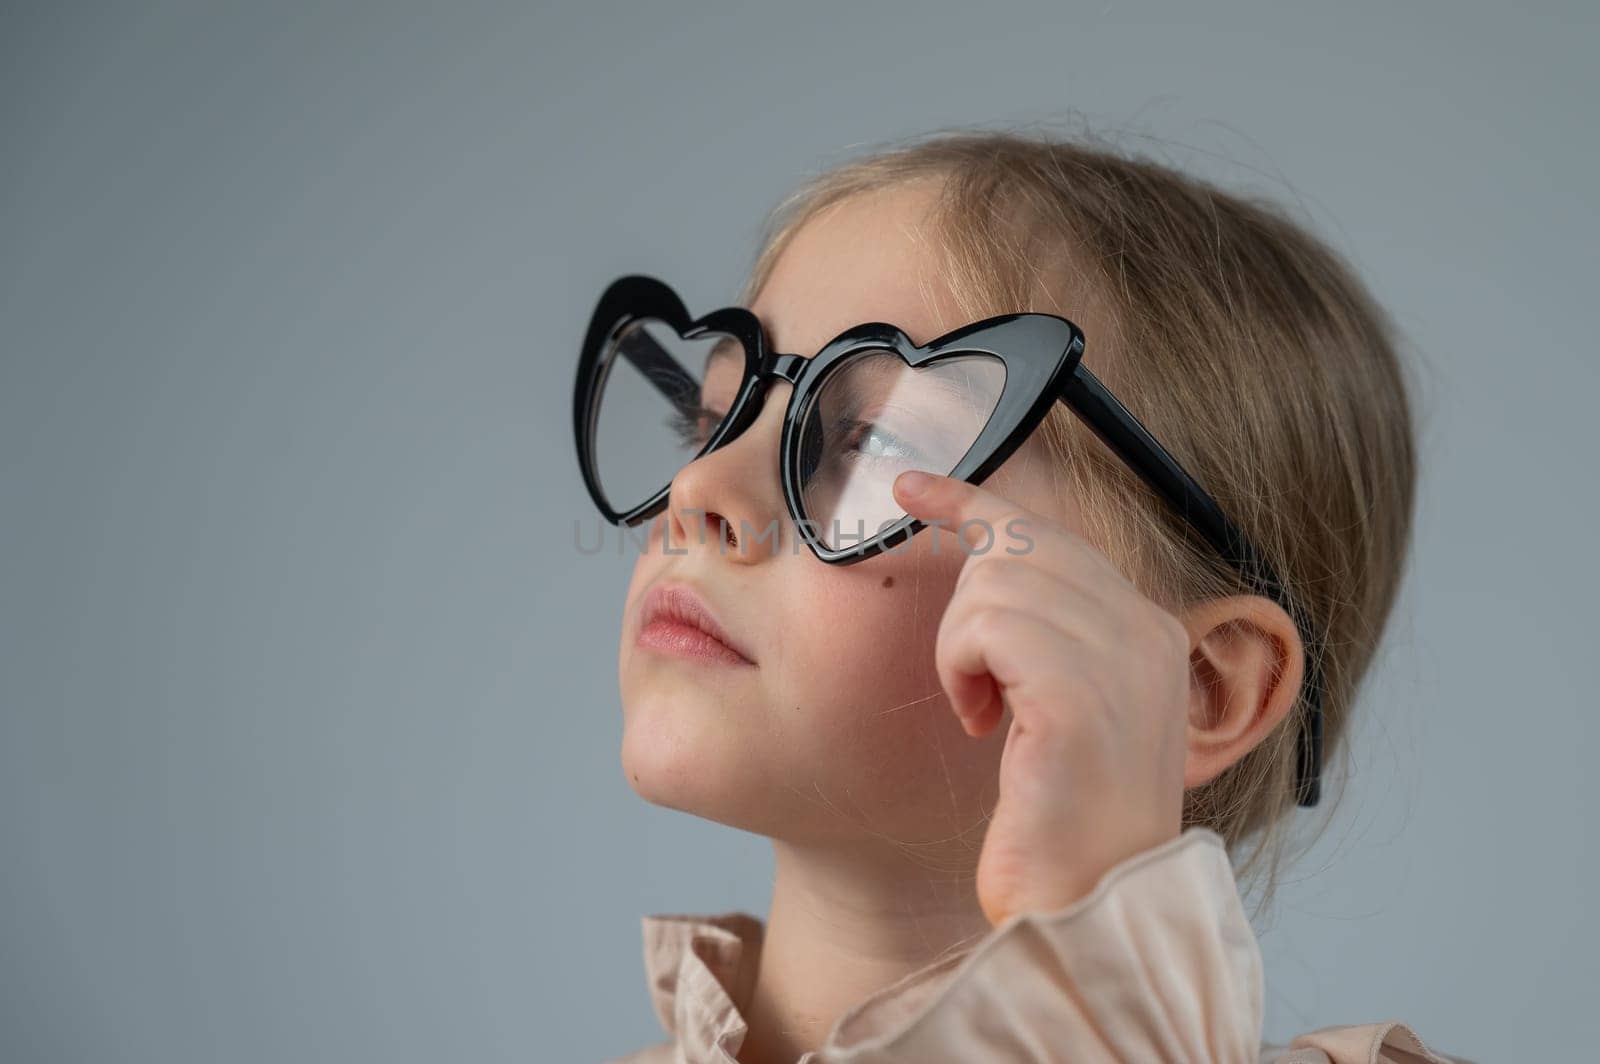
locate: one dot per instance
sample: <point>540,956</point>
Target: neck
<point>847,920</point>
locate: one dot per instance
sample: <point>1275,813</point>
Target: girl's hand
<point>1096,677</point>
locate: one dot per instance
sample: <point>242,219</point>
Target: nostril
<point>720,528</point>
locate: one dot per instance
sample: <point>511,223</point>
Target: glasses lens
<point>661,399</point>
<point>875,417</point>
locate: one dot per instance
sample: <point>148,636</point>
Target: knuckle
<point>991,574</point>
<point>1018,519</point>
<point>990,621</point>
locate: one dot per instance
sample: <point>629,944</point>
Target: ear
<point>1246,664</point>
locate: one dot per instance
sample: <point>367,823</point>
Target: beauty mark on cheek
<point>888,581</point>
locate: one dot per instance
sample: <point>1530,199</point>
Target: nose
<point>730,501</point>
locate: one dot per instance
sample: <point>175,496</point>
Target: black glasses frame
<point>1042,355</point>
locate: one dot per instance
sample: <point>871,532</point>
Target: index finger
<point>930,497</point>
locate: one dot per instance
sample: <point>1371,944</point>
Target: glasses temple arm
<point>1124,434</point>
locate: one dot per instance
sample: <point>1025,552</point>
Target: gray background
<point>309,742</point>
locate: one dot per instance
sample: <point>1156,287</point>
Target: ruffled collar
<point>702,972</point>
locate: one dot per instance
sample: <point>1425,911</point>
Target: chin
<point>683,751</point>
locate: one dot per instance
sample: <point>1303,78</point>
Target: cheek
<point>861,627</point>
<point>871,724</point>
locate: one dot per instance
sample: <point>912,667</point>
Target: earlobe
<point>1245,672</point>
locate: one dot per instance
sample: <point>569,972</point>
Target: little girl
<point>1028,530</point>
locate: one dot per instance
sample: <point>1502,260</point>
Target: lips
<point>673,617</point>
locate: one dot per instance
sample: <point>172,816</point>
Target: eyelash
<point>687,423</point>
<point>856,431</point>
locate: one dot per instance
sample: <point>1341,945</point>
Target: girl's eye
<point>692,425</point>
<point>871,441</point>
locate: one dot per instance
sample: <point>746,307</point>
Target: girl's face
<point>838,732</point>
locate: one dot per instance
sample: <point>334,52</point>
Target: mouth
<point>673,618</point>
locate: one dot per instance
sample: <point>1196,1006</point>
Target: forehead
<point>871,257</point>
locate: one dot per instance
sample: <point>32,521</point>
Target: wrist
<point>1048,886</point>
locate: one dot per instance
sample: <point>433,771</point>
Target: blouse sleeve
<point>1157,963</point>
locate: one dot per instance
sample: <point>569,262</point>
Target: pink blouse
<point>1157,963</point>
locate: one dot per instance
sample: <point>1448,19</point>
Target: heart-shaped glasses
<point>657,389</point>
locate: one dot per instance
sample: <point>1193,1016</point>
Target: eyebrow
<point>725,348</point>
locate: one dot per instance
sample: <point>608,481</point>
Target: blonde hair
<point>1249,348</point>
